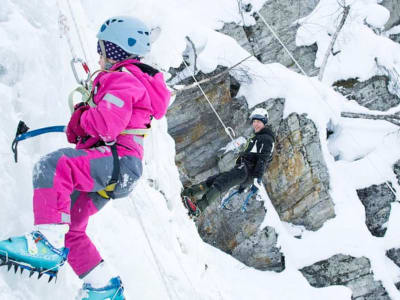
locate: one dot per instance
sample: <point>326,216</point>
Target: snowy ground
<point>147,237</point>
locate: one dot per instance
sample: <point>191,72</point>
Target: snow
<point>358,47</point>
<point>147,238</point>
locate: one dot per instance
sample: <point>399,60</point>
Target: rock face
<point>196,130</point>
<point>297,178</point>
<point>394,254</point>
<point>373,93</point>
<point>395,37</point>
<point>396,170</point>
<point>394,7</point>
<point>238,234</point>
<point>260,42</point>
<point>376,200</point>
<point>353,272</point>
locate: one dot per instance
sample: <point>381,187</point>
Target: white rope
<point>77,30</point>
<point>228,130</point>
<point>64,29</point>
<point>322,97</point>
<point>160,269</point>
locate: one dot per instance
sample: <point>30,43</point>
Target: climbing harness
<point>108,191</point>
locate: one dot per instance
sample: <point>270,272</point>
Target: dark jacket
<point>258,152</point>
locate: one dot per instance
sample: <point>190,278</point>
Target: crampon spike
<point>51,278</point>
<point>31,273</point>
<point>40,275</point>
<point>9,265</point>
<point>22,270</point>
<point>15,268</point>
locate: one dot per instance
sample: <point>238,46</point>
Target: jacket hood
<point>153,80</point>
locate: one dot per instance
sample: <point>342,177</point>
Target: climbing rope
<point>64,31</point>
<point>228,130</point>
<point>77,30</point>
<point>158,264</point>
<point>322,96</point>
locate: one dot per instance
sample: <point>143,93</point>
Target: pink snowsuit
<point>66,181</point>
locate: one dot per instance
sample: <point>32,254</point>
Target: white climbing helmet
<point>259,114</point>
<point>129,33</point>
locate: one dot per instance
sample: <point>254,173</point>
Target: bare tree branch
<point>394,118</point>
<point>346,11</point>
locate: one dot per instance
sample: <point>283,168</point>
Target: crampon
<point>33,253</point>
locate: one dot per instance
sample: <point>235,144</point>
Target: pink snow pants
<point>65,192</point>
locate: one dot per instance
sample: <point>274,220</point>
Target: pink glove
<point>74,129</point>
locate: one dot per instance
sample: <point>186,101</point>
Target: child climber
<point>70,185</point>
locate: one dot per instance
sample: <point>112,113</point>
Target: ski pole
<point>23,133</point>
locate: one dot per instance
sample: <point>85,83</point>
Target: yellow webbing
<point>109,188</point>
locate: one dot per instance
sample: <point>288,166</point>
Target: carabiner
<point>85,68</point>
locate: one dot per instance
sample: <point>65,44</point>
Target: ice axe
<point>23,133</point>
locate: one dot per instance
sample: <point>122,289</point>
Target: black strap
<point>116,167</point>
<point>115,174</point>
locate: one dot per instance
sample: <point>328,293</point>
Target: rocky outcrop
<point>238,233</point>
<point>297,178</point>
<point>281,16</point>
<point>376,200</point>
<point>373,93</point>
<point>394,255</point>
<point>395,37</point>
<point>394,7</point>
<point>196,130</point>
<point>353,272</point>
<point>396,170</point>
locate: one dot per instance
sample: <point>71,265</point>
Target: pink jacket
<point>124,101</point>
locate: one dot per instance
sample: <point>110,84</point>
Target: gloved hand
<point>253,188</point>
<point>79,105</point>
<point>74,129</point>
<point>256,185</point>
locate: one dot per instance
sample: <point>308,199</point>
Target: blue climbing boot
<point>114,290</point>
<point>34,253</point>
